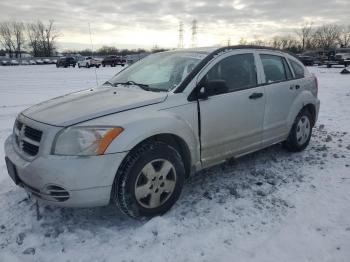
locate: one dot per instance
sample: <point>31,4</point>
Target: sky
<point>149,23</point>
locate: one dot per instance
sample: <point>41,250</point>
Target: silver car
<point>134,140</point>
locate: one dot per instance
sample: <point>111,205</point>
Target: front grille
<point>30,149</point>
<point>33,134</point>
<point>27,138</point>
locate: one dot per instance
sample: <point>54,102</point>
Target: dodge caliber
<point>134,140</point>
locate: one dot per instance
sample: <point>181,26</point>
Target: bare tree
<point>344,37</point>
<point>6,37</point>
<point>305,35</point>
<point>42,38</point>
<point>33,38</point>
<point>327,36</point>
<point>18,33</point>
<point>51,34</point>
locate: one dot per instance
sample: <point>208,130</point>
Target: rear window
<point>298,69</point>
<point>273,68</point>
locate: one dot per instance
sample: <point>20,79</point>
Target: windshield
<point>161,71</point>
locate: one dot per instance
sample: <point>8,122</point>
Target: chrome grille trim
<point>27,138</point>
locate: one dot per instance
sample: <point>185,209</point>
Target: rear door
<point>281,89</point>
<point>231,123</point>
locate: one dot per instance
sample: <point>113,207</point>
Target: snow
<point>268,206</point>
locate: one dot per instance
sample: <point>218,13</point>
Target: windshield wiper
<point>132,83</point>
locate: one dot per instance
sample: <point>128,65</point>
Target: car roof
<point>211,50</point>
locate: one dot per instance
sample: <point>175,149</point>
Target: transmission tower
<point>181,35</point>
<point>194,33</point>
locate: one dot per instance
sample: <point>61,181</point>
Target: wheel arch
<point>305,101</point>
<point>174,141</point>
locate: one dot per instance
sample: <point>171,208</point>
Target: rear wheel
<point>149,181</point>
<point>300,134</point>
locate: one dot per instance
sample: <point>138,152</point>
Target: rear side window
<point>273,68</point>
<point>298,69</point>
<point>239,72</point>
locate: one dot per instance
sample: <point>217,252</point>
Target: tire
<point>300,134</point>
<point>87,66</point>
<point>104,65</point>
<point>140,188</point>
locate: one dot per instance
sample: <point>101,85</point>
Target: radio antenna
<point>92,53</point>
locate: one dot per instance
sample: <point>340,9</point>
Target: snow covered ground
<point>269,206</point>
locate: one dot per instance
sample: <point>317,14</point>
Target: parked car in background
<point>47,61</point>
<point>24,62</point>
<point>66,62</point>
<point>343,58</point>
<point>32,62</point>
<point>39,61</point>
<point>134,140</point>
<point>14,62</point>
<point>4,63</point>
<point>89,62</point>
<point>113,60</point>
<point>53,61</point>
<point>312,58</point>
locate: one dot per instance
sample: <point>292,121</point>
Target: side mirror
<point>211,88</point>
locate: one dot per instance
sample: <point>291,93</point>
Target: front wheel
<point>149,181</point>
<point>300,134</point>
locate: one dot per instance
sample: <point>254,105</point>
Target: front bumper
<point>68,181</point>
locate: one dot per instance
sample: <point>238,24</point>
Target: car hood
<point>88,104</point>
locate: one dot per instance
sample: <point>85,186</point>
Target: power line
<point>194,33</point>
<point>181,35</point>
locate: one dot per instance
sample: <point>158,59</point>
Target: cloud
<point>148,22</point>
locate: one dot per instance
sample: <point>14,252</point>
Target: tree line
<point>309,37</point>
<point>37,37</point>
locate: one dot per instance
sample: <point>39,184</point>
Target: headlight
<point>85,141</point>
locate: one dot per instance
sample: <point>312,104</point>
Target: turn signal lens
<point>103,142</point>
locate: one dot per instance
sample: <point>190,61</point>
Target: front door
<point>231,123</point>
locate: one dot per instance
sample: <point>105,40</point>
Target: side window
<point>273,68</point>
<point>298,69</point>
<point>238,71</point>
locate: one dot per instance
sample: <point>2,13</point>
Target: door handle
<point>296,87</point>
<point>256,95</point>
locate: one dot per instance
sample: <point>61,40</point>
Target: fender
<point>303,99</point>
<point>140,124</point>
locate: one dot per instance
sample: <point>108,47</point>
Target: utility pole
<point>229,41</point>
<point>194,33</point>
<point>181,35</point>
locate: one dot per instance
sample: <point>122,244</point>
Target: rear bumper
<point>68,181</point>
